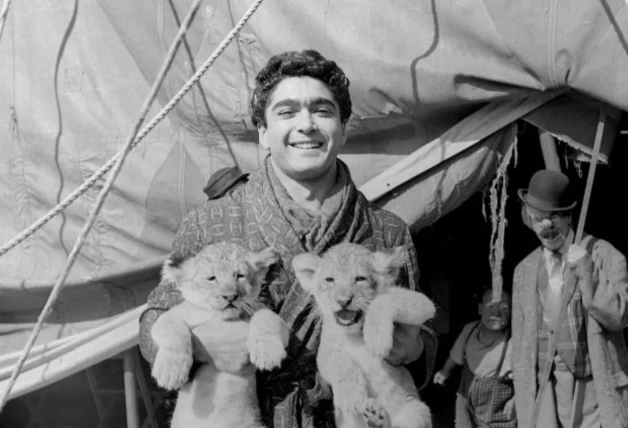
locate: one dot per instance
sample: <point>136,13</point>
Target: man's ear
<point>305,266</point>
<point>262,260</point>
<point>389,263</point>
<point>172,269</point>
<point>344,135</point>
<point>262,136</point>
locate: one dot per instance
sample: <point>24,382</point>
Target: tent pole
<point>550,155</point>
<point>148,402</point>
<point>130,394</point>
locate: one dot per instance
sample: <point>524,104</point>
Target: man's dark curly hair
<point>309,63</point>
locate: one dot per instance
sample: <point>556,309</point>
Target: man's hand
<point>580,263</point>
<point>440,378</point>
<point>407,344</point>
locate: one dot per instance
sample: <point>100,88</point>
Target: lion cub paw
<point>266,352</point>
<point>171,368</point>
<point>378,335</point>
<point>375,414</point>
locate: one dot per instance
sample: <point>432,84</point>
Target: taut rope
<point>117,162</point>
<point>159,117</point>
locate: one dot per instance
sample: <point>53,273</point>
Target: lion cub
<point>355,292</point>
<point>220,286</point>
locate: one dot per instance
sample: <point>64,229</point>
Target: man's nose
<point>547,223</point>
<point>306,121</point>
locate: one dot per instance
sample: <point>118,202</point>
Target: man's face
<point>303,129</point>
<point>552,228</point>
<point>495,316</point>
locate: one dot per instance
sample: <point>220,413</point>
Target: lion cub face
<point>347,278</point>
<point>224,278</point>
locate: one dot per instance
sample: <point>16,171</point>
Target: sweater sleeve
<point>609,305</point>
<point>423,368</point>
<point>187,242</point>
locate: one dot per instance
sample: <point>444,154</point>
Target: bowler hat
<point>548,191</point>
<point>221,181</point>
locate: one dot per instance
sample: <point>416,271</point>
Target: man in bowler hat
<point>588,381</point>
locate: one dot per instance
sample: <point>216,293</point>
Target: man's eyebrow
<point>286,102</point>
<point>323,101</point>
<point>291,102</point>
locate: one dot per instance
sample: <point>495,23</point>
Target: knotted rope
<point>117,163</point>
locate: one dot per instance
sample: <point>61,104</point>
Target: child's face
<point>495,316</point>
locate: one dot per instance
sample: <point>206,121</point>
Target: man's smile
<point>306,145</point>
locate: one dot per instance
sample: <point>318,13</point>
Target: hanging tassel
<point>498,218</point>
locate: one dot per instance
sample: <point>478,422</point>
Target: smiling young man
<point>301,199</point>
<point>588,384</point>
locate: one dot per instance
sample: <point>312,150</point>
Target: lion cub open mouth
<point>348,317</point>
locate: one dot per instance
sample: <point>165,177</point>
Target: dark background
<point>454,252</point>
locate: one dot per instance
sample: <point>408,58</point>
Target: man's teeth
<point>307,145</point>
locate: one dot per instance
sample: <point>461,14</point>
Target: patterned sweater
<point>252,215</point>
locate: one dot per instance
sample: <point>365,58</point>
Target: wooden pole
<point>589,186</point>
<point>550,155</point>
<point>148,402</point>
<point>130,394</point>
<point>565,298</point>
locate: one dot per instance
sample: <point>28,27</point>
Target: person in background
<point>588,282</point>
<point>485,395</point>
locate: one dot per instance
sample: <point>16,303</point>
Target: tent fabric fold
<point>58,359</point>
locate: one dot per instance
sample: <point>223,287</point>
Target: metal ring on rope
<point>117,162</point>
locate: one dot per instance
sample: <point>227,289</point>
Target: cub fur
<point>220,286</point>
<point>355,293</point>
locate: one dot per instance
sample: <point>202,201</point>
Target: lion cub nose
<point>230,297</point>
<point>344,301</point>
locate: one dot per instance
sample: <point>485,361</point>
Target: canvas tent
<point>436,87</point>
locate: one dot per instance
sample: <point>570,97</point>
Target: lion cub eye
<point>211,278</point>
<point>240,276</point>
<point>329,279</point>
<point>360,278</point>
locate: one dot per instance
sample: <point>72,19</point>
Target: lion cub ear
<point>262,260</point>
<point>172,269</point>
<point>305,266</point>
<point>389,263</point>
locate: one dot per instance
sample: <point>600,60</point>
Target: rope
<point>158,118</point>
<point>188,49</point>
<point>101,198</point>
<point>3,15</point>
<point>578,239</point>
